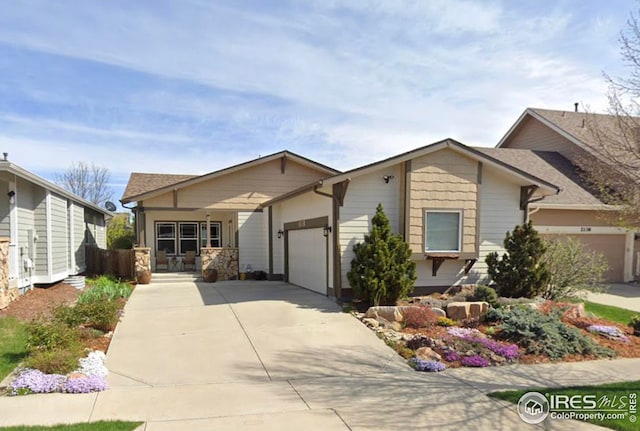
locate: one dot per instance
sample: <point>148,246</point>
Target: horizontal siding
<point>499,212</point>
<point>252,235</point>
<point>363,196</point>
<point>443,180</point>
<point>5,230</point>
<point>78,237</point>
<point>59,234</point>
<point>245,189</point>
<point>534,135</point>
<point>40,222</point>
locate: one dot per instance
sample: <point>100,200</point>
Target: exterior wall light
<point>12,197</point>
<point>326,231</point>
<point>280,233</point>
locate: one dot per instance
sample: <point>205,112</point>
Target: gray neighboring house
<point>47,228</point>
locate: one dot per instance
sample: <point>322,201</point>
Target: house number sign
<point>585,229</point>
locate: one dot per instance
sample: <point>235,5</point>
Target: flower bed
<point>89,377</point>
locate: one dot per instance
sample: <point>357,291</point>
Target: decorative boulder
<point>439,312</point>
<point>427,354</point>
<point>467,310</point>
<point>389,313</point>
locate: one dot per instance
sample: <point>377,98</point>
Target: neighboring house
<point>549,143</point>
<point>453,204</point>
<point>47,227</point>
<point>172,211</point>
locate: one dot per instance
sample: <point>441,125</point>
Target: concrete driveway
<point>250,355</point>
<point>624,295</point>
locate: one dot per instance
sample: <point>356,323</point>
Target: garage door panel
<point>308,259</point>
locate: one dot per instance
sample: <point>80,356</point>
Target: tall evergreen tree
<point>522,271</point>
<point>382,270</point>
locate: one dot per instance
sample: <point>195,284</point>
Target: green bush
<point>520,272</point>
<point>58,361</point>
<point>445,321</point>
<point>382,270</point>
<point>101,315</point>
<point>486,294</point>
<point>105,288</point>
<point>67,314</point>
<point>635,323</point>
<point>48,336</point>
<point>544,334</point>
<point>573,269</point>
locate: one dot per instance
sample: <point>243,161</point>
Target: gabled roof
<point>572,125</point>
<point>18,171</point>
<point>574,192</point>
<point>544,185</point>
<point>139,187</point>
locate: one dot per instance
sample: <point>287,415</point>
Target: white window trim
<point>449,211</point>
<point>175,234</point>
<point>202,239</point>
<point>181,252</point>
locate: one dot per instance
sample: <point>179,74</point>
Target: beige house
<point>453,204</point>
<point>547,143</point>
<point>172,211</point>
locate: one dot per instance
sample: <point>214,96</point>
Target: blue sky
<point>191,86</point>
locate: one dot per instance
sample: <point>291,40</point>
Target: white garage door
<point>308,259</point>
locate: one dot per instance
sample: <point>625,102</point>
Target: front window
<point>166,237</point>
<point>442,230</point>
<point>216,228</point>
<point>188,237</point>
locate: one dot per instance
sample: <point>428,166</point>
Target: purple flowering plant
<point>84,385</point>
<point>475,361</point>
<point>432,366</point>
<point>31,381</point>
<point>611,332</point>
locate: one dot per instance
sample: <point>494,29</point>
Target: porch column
<point>7,294</point>
<point>208,231</point>
<point>142,260</point>
<point>628,256</point>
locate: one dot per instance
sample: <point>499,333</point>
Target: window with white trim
<point>188,237</point>
<point>442,230</point>
<point>166,237</point>
<point>216,230</point>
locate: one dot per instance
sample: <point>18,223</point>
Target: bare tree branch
<point>90,182</point>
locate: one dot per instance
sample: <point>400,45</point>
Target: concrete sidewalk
<point>623,295</point>
<point>251,355</point>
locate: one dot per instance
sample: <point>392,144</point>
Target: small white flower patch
<point>93,364</point>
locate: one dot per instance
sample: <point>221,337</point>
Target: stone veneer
<point>7,293</point>
<point>142,257</point>
<point>224,260</point>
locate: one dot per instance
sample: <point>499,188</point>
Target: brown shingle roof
<point>551,166</point>
<point>140,183</point>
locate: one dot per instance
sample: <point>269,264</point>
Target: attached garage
<point>307,259</point>
<point>612,247</point>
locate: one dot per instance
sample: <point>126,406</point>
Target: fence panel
<point>117,262</point>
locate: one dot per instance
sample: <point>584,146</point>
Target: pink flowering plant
<point>611,332</point>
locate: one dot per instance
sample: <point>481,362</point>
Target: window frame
<point>203,232</point>
<point>460,213</point>
<point>174,238</point>
<point>180,238</point>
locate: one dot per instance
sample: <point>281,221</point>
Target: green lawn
<point>91,426</point>
<point>611,390</point>
<point>608,312</point>
<point>12,344</point>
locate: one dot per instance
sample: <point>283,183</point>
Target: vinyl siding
<point>252,235</point>
<point>59,235</point>
<point>78,246</point>
<point>243,190</point>
<point>443,180</point>
<point>499,212</point>
<point>363,196</point>
<point>4,210</point>
<point>95,229</point>
<point>40,222</point>
<point>534,135</point>
<point>551,217</point>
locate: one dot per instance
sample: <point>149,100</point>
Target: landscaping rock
<point>467,310</point>
<point>427,354</point>
<point>575,311</point>
<point>390,313</point>
<point>372,323</point>
<point>433,302</point>
<point>439,312</point>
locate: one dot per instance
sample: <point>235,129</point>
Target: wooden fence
<point>117,262</point>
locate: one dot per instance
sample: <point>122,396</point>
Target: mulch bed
<point>38,302</point>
